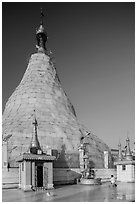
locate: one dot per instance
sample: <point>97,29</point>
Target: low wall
<point>10,179</point>
<point>11,176</point>
<point>60,175</point>
<point>65,175</point>
<point>105,174</point>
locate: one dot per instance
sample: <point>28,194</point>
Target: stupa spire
<point>41,35</point>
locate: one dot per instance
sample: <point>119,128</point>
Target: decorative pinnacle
<point>128,146</point>
<point>41,16</point>
<point>119,152</point>
<point>35,146</point>
<point>128,152</point>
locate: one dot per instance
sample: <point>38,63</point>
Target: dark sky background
<point>93,49</point>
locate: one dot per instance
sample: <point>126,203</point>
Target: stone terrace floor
<point>124,192</point>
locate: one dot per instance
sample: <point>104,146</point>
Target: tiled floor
<point>124,192</point>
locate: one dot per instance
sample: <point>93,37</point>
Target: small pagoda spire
<point>119,152</point>
<point>35,146</point>
<point>128,152</point>
<point>41,35</point>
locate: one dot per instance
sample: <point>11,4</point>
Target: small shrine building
<point>125,164</point>
<point>35,167</point>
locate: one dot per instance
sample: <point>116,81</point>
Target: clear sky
<point>93,46</point>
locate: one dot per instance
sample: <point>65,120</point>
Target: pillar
<point>19,175</point>
<point>106,159</point>
<point>33,173</point>
<point>86,162</point>
<point>119,152</point>
<point>45,175</point>
<point>81,160</point>
<point>27,176</point>
<point>48,175</point>
<point>4,155</point>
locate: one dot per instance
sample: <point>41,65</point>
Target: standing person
<point>113,181</point>
<point>48,193</point>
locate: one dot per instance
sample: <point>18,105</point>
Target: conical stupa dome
<point>58,127</point>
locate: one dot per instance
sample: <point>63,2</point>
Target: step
<point>9,185</point>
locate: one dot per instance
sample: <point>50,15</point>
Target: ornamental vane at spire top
<point>41,35</point>
<point>41,16</point>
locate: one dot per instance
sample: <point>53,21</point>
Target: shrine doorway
<point>39,176</point>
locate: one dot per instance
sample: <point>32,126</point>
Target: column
<point>81,160</point>
<point>33,173</point>
<point>50,175</point>
<point>106,159</point>
<point>4,155</point>
<point>45,175</point>
<point>119,152</point>
<point>19,175</point>
<point>27,176</point>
